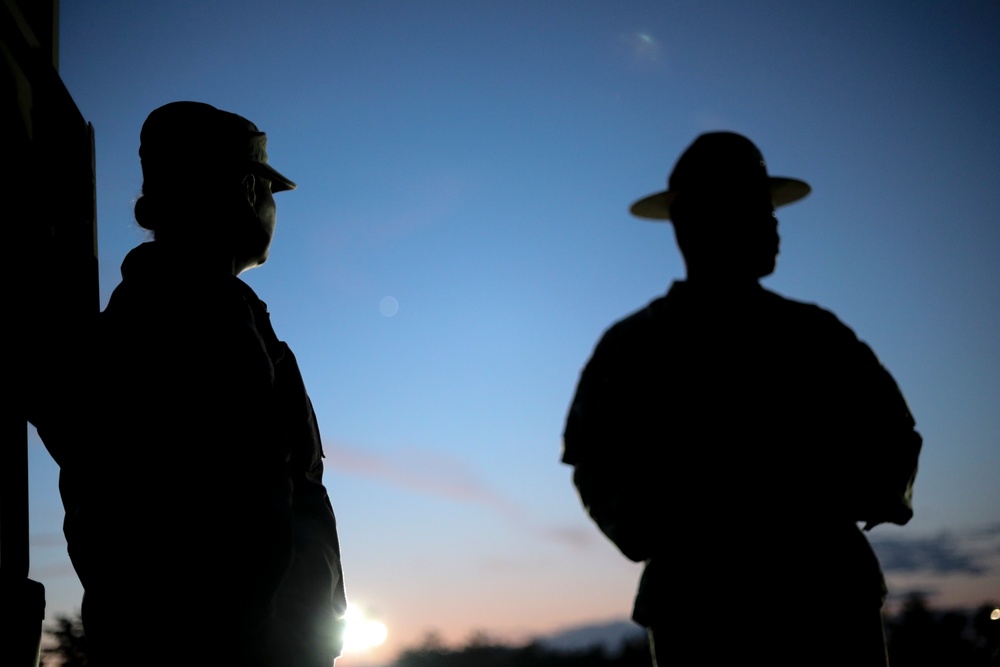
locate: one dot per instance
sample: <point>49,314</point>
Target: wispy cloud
<point>972,552</point>
<point>433,473</point>
<point>572,536</point>
<point>424,471</point>
<point>988,531</point>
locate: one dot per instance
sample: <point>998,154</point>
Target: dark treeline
<point>917,636</point>
<point>487,654</point>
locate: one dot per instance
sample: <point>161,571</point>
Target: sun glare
<point>362,633</point>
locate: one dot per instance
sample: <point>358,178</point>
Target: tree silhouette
<point>986,631</point>
<point>66,645</point>
<point>481,651</point>
<point>917,637</point>
<point>921,637</point>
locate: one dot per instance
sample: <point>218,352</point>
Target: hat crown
<point>719,160</point>
<point>193,134</point>
<point>196,139</point>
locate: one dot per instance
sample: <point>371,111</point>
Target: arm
<point>887,468</point>
<point>605,473</point>
<point>877,434</point>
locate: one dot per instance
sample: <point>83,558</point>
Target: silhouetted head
<point>721,201</point>
<point>207,185</point>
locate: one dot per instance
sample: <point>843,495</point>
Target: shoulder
<point>796,307</point>
<point>625,351</point>
<point>636,327</point>
<point>806,318</point>
<point>153,286</point>
<point>625,342</point>
<point>195,316</point>
<point>824,343</point>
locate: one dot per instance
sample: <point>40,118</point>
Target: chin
<point>765,271</point>
<point>252,263</point>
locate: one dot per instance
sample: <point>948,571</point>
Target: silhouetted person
<point>191,462</point>
<point>733,439</point>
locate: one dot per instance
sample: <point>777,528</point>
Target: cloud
<point>433,473</point>
<point>424,471</point>
<point>988,531</point>
<point>968,552</point>
<point>572,536</point>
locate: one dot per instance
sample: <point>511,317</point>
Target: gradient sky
<point>460,239</point>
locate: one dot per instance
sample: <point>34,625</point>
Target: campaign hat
<point>716,162</point>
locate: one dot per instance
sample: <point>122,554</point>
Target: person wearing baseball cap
<point>732,439</point>
<point>196,514</point>
<point>198,165</point>
<point>194,140</point>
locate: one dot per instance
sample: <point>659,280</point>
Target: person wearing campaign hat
<point>732,439</point>
<point>191,462</point>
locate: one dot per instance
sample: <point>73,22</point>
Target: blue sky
<point>460,239</point>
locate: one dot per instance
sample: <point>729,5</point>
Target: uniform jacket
<point>732,442</point>
<point>191,470</point>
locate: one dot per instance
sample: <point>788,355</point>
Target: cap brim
<point>278,182</point>
<point>656,206</point>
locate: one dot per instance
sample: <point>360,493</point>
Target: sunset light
<point>460,240</point>
<point>362,633</point>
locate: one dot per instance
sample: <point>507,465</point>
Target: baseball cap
<point>198,141</point>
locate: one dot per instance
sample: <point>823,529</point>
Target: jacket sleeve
<point>596,443</point>
<point>313,594</point>
<point>877,434</point>
<point>888,467</point>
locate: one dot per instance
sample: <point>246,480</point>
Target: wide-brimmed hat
<point>715,162</point>
<point>194,141</point>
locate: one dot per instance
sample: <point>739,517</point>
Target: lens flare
<point>362,633</point>
<point>388,306</point>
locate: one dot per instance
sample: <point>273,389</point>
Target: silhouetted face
<point>267,211</point>
<point>257,229</point>
<point>760,233</point>
<point>731,233</point>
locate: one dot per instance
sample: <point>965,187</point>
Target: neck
<point>203,258</point>
<point>721,281</point>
